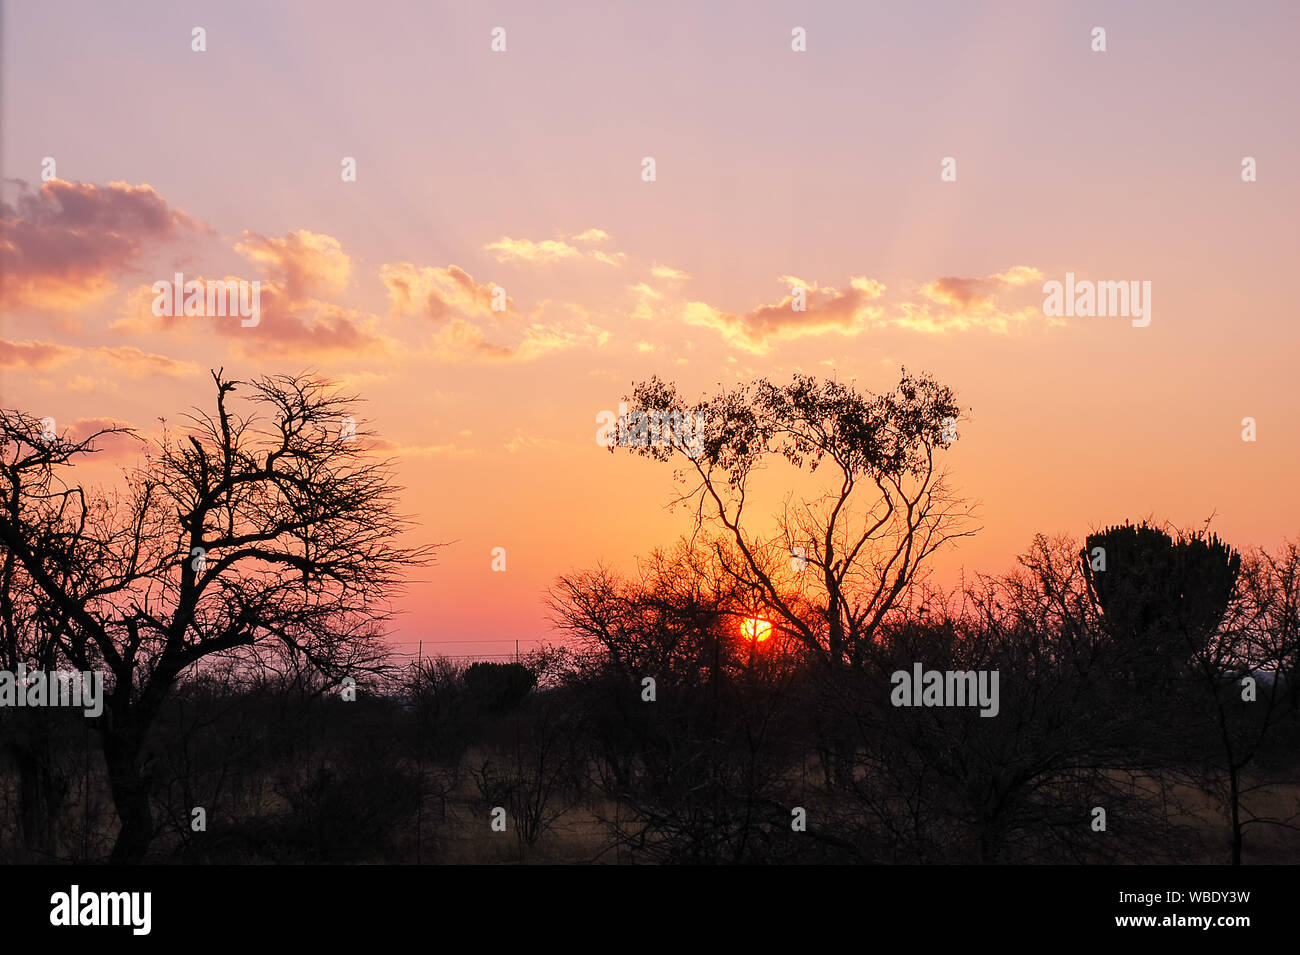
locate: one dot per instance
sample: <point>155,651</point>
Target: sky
<point>774,168</point>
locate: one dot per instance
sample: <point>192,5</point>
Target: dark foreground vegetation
<point>737,738</point>
<point>734,701</point>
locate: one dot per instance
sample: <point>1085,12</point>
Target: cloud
<point>304,264</point>
<point>521,440</point>
<point>34,355</point>
<point>397,449</point>
<point>549,251</point>
<point>1019,275</point>
<point>460,340</point>
<point>301,272</point>
<point>647,301</point>
<point>311,327</point>
<point>948,304</point>
<point>970,292</point>
<point>125,360</point>
<point>299,276</point>
<point>135,363</point>
<point>953,304</point>
<point>84,385</point>
<point>668,273</point>
<point>828,309</point>
<point>461,307</point>
<point>83,428</point>
<point>438,293</point>
<point>63,246</point>
<point>113,447</point>
<point>136,313</point>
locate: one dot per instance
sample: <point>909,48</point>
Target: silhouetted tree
<point>861,539</point>
<point>270,526</point>
<point>851,548</point>
<point>700,774</point>
<point>1018,787</point>
<point>1163,597</point>
<point>498,687</point>
<point>1244,683</point>
<point>46,512</point>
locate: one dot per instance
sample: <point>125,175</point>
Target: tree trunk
<point>840,746</point>
<point>1234,783</point>
<point>40,802</point>
<point>41,791</point>
<point>130,790</point>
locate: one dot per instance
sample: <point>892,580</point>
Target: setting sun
<point>755,629</point>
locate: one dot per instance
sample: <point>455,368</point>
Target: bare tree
<point>700,775</point>
<point>1245,684</point>
<point>271,525</point>
<point>50,511</point>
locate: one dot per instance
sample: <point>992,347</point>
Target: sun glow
<point>755,629</point>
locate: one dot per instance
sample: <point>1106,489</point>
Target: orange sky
<point>523,169</point>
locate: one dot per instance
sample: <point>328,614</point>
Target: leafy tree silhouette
<point>1162,597</point>
<point>878,509</point>
<point>499,687</point>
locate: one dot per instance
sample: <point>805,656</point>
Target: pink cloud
<point>63,246</point>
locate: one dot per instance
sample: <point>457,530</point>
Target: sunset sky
<point>523,169</point>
